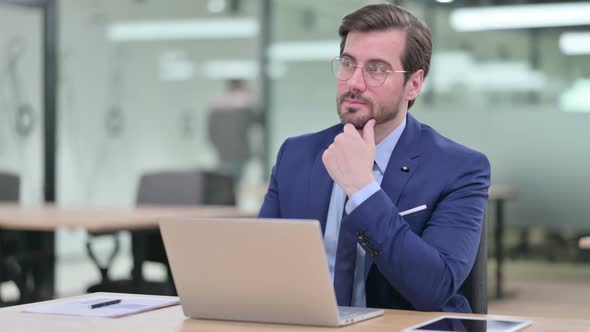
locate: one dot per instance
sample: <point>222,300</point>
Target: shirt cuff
<point>361,196</point>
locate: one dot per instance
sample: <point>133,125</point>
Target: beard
<point>353,115</point>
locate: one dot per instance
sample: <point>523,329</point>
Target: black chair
<point>174,188</point>
<point>163,188</point>
<point>12,245</point>
<point>475,287</point>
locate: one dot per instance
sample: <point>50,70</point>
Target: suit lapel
<point>403,162</point>
<point>320,184</point>
<point>404,156</point>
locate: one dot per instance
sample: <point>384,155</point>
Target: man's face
<point>357,101</point>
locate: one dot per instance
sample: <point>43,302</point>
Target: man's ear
<point>414,84</point>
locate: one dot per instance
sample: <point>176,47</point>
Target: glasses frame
<point>365,72</point>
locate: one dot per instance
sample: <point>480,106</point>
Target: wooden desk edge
<point>172,319</point>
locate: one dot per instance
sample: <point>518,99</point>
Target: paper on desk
<point>129,305</point>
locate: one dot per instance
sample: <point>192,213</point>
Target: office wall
<point>539,153</point>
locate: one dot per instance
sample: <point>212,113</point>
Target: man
<point>356,177</point>
<point>230,119</point>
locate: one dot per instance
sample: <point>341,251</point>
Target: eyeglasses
<point>374,72</point>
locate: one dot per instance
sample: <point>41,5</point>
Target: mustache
<point>353,95</point>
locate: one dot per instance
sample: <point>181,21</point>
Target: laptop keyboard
<point>347,312</point>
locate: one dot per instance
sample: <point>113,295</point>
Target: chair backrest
<point>186,188</point>
<point>475,287</point>
<point>9,187</point>
<point>179,188</point>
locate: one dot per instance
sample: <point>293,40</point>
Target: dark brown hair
<point>384,17</point>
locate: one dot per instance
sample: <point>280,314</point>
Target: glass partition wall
<point>139,79</point>
<point>139,84</point>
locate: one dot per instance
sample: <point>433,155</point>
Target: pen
<point>103,304</point>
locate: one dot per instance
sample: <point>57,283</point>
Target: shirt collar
<point>386,146</point>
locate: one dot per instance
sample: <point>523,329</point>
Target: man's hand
<point>349,160</point>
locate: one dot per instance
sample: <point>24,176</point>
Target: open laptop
<point>260,270</point>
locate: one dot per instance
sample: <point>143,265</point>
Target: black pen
<point>103,304</point>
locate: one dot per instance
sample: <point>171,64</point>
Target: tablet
<point>470,324</point>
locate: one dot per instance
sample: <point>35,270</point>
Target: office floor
<point>534,288</point>
<point>544,289</point>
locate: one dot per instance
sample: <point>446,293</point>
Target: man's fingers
<point>349,128</point>
<point>369,132</point>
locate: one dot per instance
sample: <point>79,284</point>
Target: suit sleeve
<point>429,268</point>
<point>271,205</point>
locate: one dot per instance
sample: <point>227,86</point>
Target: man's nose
<point>357,81</point>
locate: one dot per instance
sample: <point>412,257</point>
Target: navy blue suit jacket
<point>416,262</point>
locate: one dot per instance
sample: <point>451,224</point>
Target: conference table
<point>47,218</point>
<point>43,220</point>
<point>172,319</point>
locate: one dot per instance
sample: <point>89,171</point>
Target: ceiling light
<point>575,43</point>
<point>213,28</point>
<point>520,16</point>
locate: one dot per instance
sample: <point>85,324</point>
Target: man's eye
<point>376,68</point>
<point>347,64</point>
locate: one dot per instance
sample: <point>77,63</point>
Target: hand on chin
<point>356,119</point>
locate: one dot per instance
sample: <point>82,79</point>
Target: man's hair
<point>379,17</point>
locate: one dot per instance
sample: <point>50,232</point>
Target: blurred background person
<point>230,118</point>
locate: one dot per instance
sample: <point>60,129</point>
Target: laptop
<point>258,270</point>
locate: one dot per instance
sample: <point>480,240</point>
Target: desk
<point>48,218</point>
<point>172,319</point>
<point>498,195</point>
<point>101,219</point>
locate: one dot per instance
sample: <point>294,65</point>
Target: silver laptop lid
<point>263,270</point>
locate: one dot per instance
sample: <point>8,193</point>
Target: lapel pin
<point>405,169</point>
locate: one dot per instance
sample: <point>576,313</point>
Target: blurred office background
<point>139,83</point>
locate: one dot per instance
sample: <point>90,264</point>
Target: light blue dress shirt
<point>337,199</point>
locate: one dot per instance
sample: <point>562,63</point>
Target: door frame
<point>43,269</point>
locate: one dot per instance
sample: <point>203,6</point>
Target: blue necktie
<point>344,267</point>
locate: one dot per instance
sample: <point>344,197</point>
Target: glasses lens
<point>374,74</point>
<point>342,69</point>
<point>374,79</point>
<point>336,68</point>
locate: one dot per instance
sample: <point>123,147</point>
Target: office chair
<point>475,287</point>
<point>175,188</point>
<point>162,188</point>
<point>12,245</point>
